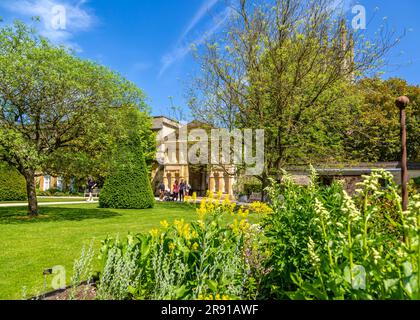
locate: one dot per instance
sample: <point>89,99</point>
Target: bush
<point>250,188</point>
<point>12,185</point>
<point>328,245</point>
<point>128,186</point>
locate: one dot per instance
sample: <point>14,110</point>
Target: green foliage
<point>206,259</point>
<point>328,245</point>
<point>12,185</point>
<point>67,116</point>
<point>128,185</point>
<point>290,72</point>
<point>374,130</point>
<point>249,188</point>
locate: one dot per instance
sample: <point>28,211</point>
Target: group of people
<point>179,191</point>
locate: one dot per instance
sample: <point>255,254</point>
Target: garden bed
<point>85,292</point>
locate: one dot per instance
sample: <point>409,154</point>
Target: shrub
<point>128,186</point>
<point>12,185</point>
<point>328,245</point>
<point>252,188</point>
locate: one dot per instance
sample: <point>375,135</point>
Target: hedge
<point>128,186</point>
<point>12,185</point>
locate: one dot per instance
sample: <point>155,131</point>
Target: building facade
<point>352,174</point>
<point>172,165</point>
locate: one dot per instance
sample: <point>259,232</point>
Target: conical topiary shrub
<point>128,185</point>
<point>12,185</point>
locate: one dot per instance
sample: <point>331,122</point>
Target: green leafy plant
<point>12,185</point>
<point>328,245</point>
<point>128,186</point>
<point>188,260</point>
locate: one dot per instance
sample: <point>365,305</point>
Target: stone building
<point>47,182</point>
<point>351,174</point>
<point>172,166</point>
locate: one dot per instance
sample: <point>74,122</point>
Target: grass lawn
<point>57,237</point>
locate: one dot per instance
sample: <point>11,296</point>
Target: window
<point>47,183</point>
<point>60,183</point>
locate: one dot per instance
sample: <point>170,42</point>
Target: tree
<point>286,66</point>
<point>128,184</point>
<point>374,133</point>
<point>52,103</point>
<point>95,158</point>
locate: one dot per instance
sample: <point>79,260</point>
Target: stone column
<point>173,178</point>
<point>165,180</point>
<point>187,174</point>
<point>221,182</point>
<point>212,183</point>
<point>230,186</point>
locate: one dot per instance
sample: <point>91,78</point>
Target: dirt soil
<point>84,292</point>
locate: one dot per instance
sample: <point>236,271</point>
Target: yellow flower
<point>235,226</point>
<point>260,208</point>
<point>195,246</point>
<point>154,233</point>
<point>211,196</point>
<point>164,224</point>
<point>179,225</point>
<point>243,214</point>
<point>228,205</point>
<point>201,224</point>
<point>194,234</point>
<point>202,211</point>
<point>244,225</point>
<point>172,246</point>
<point>186,232</point>
<point>219,195</point>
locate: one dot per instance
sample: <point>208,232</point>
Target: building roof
<point>161,121</point>
<point>354,169</point>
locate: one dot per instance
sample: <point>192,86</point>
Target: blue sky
<point>148,41</point>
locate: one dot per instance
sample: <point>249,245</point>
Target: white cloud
<point>204,9</point>
<point>70,15</point>
<point>181,50</point>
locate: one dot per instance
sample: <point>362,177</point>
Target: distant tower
<point>347,49</point>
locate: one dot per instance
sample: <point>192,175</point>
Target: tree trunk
<point>264,184</point>
<point>31,192</point>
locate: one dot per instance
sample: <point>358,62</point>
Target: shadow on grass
<point>51,214</point>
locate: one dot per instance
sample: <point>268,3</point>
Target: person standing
<point>176,190</point>
<point>91,186</point>
<point>162,189</point>
<point>182,190</point>
<point>187,189</point>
